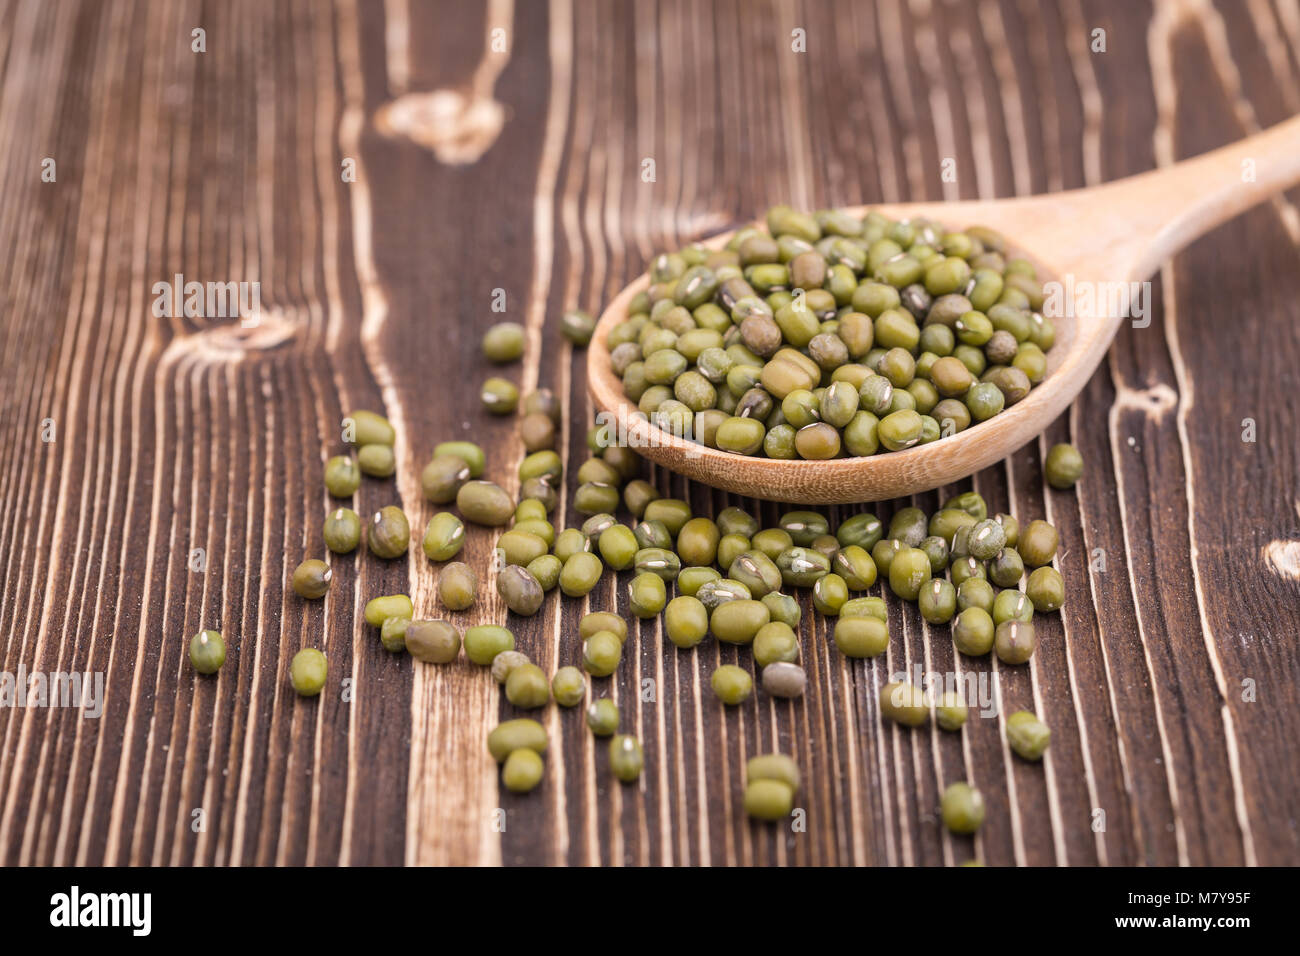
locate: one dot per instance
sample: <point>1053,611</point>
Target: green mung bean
<point>904,703</point>
<point>546,569</point>
<point>950,712</point>
<point>466,451</point>
<point>602,717</point>
<point>602,621</point>
<point>484,642</point>
<point>864,636</point>
<point>738,621</point>
<point>485,503</point>
<point>784,679</point>
<point>307,672</point>
<point>973,632</point>
<point>775,642</point>
<point>769,800</point>
<point>581,573</point>
<point>577,326</point>
<point>503,342</point>
<point>601,653</point>
<point>368,428</point>
<point>522,771</point>
<point>962,808</point>
<point>625,758</point>
<point>1045,589</point>
<point>520,591</point>
<point>1028,736</point>
<point>207,652</point>
<point>342,531</point>
<point>1012,605</point>
<point>457,586</point>
<point>311,579</point>
<point>1063,466</point>
<point>392,634</point>
<point>732,684</point>
<point>568,687</point>
<point>379,609</point>
<point>436,642</point>
<point>1015,641</point>
<point>519,734</point>
<point>342,476</point>
<point>378,461</point>
<point>686,621</point>
<point>389,534</point>
<point>444,536</point>
<point>647,594</point>
<point>527,687</point>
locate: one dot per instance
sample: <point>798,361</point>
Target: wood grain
<point>1170,679</point>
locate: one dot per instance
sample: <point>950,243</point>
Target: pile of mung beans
<point>830,335</point>
<point>724,576</point>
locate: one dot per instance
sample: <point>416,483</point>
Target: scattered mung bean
<point>527,687</point>
<point>568,687</point>
<point>601,653</point>
<point>602,621</point>
<point>389,534</point>
<point>522,771</point>
<point>484,642</point>
<point>1015,641</point>
<point>342,531</point>
<point>485,503</point>
<point>307,672</point>
<point>520,591</point>
<point>1063,466</point>
<point>784,679</point>
<point>904,703</point>
<point>380,609</point>
<point>392,634</point>
<point>950,711</point>
<point>378,461</point>
<point>444,536</point>
<point>503,342</point>
<point>342,476</point>
<point>732,684</point>
<point>436,642</point>
<point>1028,736</point>
<point>1045,589</point>
<point>457,586</point>
<point>861,636</point>
<point>686,621</point>
<point>311,579</point>
<point>625,758</point>
<point>207,652</point>
<point>442,478</point>
<point>368,428</point>
<point>962,807</point>
<point>602,717</point>
<point>505,662</point>
<point>647,594</point>
<point>519,734</point>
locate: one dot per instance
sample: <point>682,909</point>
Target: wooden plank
<point>1168,679</point>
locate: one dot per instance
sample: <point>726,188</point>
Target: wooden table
<point>1171,681</point>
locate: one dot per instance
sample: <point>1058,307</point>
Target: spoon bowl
<point>1097,240</point>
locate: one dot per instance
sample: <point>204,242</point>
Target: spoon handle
<point>1124,230</point>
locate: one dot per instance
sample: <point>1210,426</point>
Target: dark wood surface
<point>1170,680</point>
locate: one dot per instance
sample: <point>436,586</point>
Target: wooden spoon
<point>1119,232</point>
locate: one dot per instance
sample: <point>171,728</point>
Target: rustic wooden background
<point>174,434</point>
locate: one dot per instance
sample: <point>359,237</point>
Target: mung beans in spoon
<point>828,335</point>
